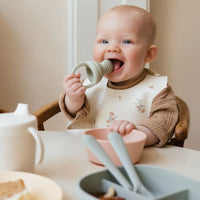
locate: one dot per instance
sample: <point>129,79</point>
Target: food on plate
<point>110,195</point>
<point>14,190</point>
<point>111,198</point>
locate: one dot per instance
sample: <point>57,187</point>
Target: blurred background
<point>35,51</point>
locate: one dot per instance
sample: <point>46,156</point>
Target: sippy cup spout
<point>22,109</point>
<point>95,71</point>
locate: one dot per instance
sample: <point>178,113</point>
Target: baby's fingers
<point>122,127</point>
<point>118,127</point>
<point>71,76</point>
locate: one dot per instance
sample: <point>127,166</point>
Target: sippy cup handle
<point>38,140</point>
<point>95,71</point>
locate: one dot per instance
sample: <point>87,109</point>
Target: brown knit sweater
<point>163,115</point>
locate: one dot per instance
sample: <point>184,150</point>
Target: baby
<point>131,96</point>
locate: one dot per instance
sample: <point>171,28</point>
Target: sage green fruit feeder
<point>95,71</point>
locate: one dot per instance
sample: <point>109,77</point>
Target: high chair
<point>182,126</point>
<point>3,111</point>
<point>180,132</point>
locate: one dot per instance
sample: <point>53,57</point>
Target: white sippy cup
<point>18,140</point>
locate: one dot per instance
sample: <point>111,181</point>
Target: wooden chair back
<point>182,127</point>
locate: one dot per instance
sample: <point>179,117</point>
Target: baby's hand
<point>73,86</point>
<point>122,127</point>
<point>75,93</point>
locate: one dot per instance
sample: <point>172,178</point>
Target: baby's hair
<point>149,23</point>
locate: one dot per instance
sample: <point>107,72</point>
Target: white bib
<point>132,104</point>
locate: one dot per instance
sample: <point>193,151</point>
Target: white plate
<point>40,188</point>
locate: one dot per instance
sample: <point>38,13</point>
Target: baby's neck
<point>128,83</point>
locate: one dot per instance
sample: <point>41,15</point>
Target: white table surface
<point>65,161</point>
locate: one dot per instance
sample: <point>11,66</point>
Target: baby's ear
<point>151,53</point>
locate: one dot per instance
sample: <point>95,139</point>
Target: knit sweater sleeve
<point>80,114</point>
<point>163,116</point>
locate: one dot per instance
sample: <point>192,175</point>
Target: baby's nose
<point>113,48</point>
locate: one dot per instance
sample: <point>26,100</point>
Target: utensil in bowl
<point>96,148</point>
<point>120,148</point>
<point>126,188</point>
<point>134,143</point>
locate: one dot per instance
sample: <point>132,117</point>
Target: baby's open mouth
<point>117,64</point>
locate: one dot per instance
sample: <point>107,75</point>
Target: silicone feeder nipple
<point>95,71</point>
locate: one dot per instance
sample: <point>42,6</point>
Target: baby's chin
<point>114,79</point>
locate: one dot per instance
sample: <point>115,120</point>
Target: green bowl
<point>163,184</point>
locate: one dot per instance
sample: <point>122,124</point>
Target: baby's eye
<point>127,42</point>
<point>104,41</point>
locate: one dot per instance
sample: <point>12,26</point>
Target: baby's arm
<point>125,127</point>
<point>151,137</point>
<point>75,93</point>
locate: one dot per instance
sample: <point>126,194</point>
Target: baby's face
<point>121,39</point>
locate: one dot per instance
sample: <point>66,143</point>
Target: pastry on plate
<point>14,190</point>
